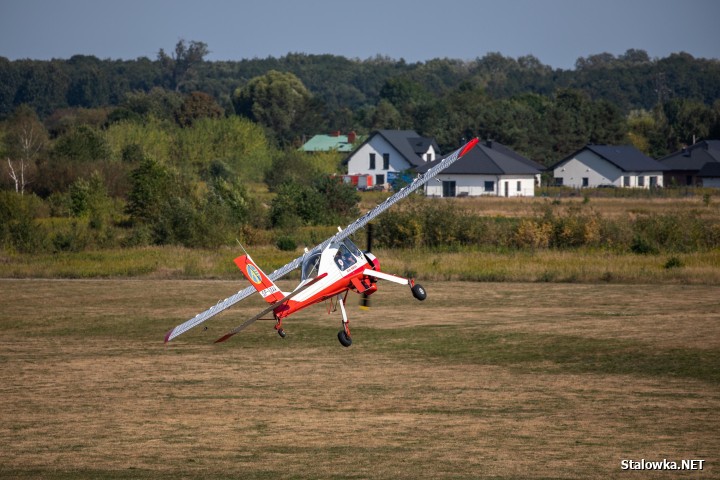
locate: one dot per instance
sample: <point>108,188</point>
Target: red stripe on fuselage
<point>336,288</point>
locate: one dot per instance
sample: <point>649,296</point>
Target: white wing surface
<point>348,231</point>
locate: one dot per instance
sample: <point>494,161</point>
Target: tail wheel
<point>419,292</point>
<point>345,339</point>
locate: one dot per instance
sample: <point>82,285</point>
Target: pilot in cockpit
<point>343,258</point>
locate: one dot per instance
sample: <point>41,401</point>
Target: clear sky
<point>557,32</point>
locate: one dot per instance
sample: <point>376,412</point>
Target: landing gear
<point>345,339</point>
<point>344,334</point>
<point>278,327</point>
<point>418,291</point>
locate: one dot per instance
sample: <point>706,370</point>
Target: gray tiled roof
<point>407,142</point>
<point>693,157</point>
<point>626,157</point>
<point>490,158</point>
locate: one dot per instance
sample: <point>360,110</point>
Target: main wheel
<point>419,292</point>
<point>281,332</point>
<point>345,340</point>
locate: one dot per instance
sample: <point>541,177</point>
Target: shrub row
<point>434,224</point>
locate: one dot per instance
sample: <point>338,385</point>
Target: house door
<point>507,189</point>
<point>448,188</point>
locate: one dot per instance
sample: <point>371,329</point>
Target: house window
<point>386,161</point>
<point>372,161</point>
<point>586,181</point>
<point>653,182</point>
<point>558,181</point>
<point>448,188</point>
<point>626,181</point>
<point>641,181</point>
<point>428,157</point>
<point>489,186</point>
<point>379,179</point>
<point>519,186</point>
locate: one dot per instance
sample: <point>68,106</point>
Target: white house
<point>621,166</point>
<point>391,151</point>
<point>490,168</point>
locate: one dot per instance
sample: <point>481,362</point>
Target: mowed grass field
<point>482,380</point>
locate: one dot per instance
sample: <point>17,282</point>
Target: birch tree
<point>25,140</point>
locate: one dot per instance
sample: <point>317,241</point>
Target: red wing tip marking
<point>224,337</point>
<point>469,145</point>
<point>167,337</point>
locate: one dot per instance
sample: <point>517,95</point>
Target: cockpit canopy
<point>311,266</point>
<point>346,255</point>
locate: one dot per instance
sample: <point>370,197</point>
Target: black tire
<point>345,341</point>
<point>419,292</point>
<point>282,333</point>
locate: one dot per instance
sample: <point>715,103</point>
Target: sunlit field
<point>482,380</point>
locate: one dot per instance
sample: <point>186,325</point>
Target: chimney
<point>488,143</point>
<point>352,137</point>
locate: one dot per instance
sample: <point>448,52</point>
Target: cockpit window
<point>351,246</point>
<point>311,266</point>
<point>344,259</point>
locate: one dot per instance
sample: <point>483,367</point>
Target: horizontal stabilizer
<point>386,276</point>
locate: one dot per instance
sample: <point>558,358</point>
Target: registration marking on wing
<point>269,291</point>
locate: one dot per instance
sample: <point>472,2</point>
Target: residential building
<point>387,151</point>
<point>684,166</point>
<point>608,165</point>
<point>332,142</point>
<point>489,168</point>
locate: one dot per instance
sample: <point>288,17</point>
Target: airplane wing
<point>269,309</point>
<point>349,230</point>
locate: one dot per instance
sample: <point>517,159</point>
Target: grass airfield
<point>482,380</point>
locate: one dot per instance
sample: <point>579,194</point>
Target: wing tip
<point>168,335</point>
<point>468,146</point>
<point>224,337</point>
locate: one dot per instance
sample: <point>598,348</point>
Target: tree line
<point>672,98</point>
<point>104,153</point>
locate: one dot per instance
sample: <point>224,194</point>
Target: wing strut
<point>419,181</point>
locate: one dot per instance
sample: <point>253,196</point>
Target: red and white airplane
<point>326,275</point>
<point>329,272</point>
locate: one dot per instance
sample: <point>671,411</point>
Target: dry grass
<point>608,207</point>
<point>480,381</point>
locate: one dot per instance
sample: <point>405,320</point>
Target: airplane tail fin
<point>265,287</point>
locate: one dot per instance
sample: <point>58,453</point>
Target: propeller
<point>365,298</point>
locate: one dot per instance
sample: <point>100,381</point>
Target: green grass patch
<point>545,352</point>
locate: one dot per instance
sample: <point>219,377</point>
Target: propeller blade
<point>365,301</point>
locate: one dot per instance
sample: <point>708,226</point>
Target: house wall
<point>711,182</point>
<point>680,178</point>
<point>359,162</point>
<point>474,185</point>
<point>600,172</point>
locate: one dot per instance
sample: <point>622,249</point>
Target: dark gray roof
<point>408,144</point>
<point>489,158</point>
<point>710,169</point>
<point>693,158</point>
<point>626,157</point>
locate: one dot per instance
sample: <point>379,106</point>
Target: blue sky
<point>557,32</point>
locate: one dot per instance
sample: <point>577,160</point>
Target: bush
<point>532,234</point>
<point>19,229</point>
<point>286,243</point>
<point>673,262</point>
